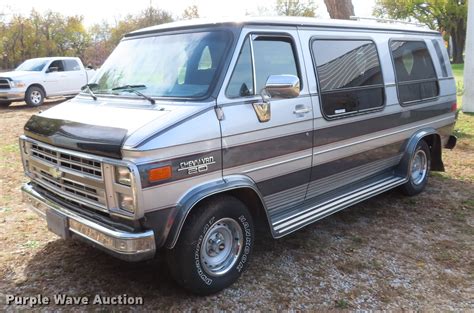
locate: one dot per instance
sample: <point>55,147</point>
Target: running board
<point>311,213</point>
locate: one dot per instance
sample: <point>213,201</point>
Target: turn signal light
<point>159,173</point>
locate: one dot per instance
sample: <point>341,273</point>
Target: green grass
<point>458,72</point>
<point>464,126</point>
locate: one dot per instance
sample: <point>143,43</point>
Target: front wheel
<point>418,171</point>
<point>214,246</point>
<point>34,96</point>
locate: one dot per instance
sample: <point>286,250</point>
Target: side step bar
<point>308,215</point>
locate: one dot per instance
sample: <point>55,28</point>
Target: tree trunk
<point>458,34</point>
<point>340,9</point>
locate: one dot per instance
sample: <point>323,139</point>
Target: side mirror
<point>283,86</point>
<point>277,86</point>
<point>52,69</point>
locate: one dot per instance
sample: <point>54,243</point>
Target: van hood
<point>104,126</point>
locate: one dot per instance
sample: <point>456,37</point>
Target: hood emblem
<point>55,172</point>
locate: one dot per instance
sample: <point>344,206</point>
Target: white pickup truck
<point>40,78</point>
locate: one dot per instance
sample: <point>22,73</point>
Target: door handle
<point>301,109</point>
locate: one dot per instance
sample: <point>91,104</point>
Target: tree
<point>191,12</point>
<point>340,9</point>
<point>447,16</point>
<point>296,8</point>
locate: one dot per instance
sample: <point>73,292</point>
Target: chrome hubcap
<point>36,97</point>
<point>221,246</point>
<point>419,167</point>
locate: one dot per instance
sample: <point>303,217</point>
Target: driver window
<point>272,56</point>
<point>57,64</point>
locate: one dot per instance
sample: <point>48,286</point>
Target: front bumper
<point>12,95</point>
<point>124,245</point>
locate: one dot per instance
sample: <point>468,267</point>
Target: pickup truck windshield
<point>179,65</point>
<point>33,65</point>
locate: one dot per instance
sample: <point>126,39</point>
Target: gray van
<point>192,132</point>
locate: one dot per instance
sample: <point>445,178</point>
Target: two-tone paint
<point>298,167</point>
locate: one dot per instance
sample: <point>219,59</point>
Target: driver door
<point>55,82</point>
<point>276,154</point>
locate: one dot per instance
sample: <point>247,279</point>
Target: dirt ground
<point>390,252</point>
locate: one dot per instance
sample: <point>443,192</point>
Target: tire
<point>5,104</point>
<point>34,96</point>
<point>201,261</point>
<point>418,171</point>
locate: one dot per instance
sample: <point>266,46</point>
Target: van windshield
<point>180,65</point>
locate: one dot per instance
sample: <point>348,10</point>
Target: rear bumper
<point>123,245</point>
<point>11,95</point>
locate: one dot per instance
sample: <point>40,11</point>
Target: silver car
<point>192,132</point>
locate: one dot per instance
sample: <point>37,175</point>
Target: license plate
<point>58,224</point>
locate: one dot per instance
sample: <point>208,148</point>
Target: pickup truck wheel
<point>214,246</point>
<point>5,103</point>
<point>34,96</point>
<point>418,171</point>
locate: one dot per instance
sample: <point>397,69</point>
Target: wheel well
<point>253,202</point>
<point>39,86</point>
<point>434,142</point>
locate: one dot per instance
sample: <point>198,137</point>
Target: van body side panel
<point>351,149</point>
<point>280,147</point>
<point>192,151</point>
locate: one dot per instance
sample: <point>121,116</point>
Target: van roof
<point>284,21</point>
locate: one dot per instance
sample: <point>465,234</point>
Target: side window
<point>271,56</point>
<point>441,60</point>
<point>350,77</point>
<point>241,81</point>
<point>71,65</point>
<point>58,64</point>
<point>416,76</point>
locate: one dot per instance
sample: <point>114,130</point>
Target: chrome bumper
<point>124,245</point>
<point>12,95</point>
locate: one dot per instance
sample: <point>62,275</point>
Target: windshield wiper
<point>87,88</point>
<point>131,88</point>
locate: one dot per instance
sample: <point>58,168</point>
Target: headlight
<point>126,202</point>
<point>123,176</point>
<point>17,84</point>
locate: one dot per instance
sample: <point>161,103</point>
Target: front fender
<point>199,193</point>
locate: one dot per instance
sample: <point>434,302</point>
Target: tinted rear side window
<point>350,77</point>
<point>414,70</point>
<point>440,56</point>
<point>71,65</point>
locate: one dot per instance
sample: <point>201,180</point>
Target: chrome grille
<point>71,162</point>
<point>4,84</point>
<point>75,178</point>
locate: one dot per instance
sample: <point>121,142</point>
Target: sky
<point>96,11</point>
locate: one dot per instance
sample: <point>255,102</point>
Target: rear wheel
<point>4,104</point>
<point>214,246</point>
<point>419,170</point>
<point>34,96</point>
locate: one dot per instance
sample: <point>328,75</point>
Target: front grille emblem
<point>55,172</point>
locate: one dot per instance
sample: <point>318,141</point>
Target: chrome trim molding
<point>125,245</point>
<point>309,215</point>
